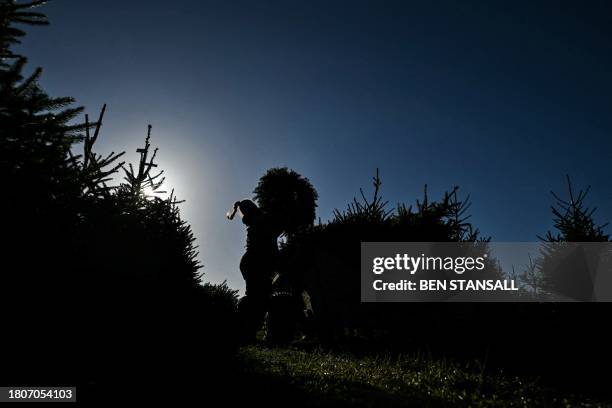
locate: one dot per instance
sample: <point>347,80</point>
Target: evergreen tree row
<point>101,282</point>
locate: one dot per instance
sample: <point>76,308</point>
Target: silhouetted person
<point>257,265</point>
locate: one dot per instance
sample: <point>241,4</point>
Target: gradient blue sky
<point>501,98</point>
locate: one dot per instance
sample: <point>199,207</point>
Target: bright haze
<point>500,98</point>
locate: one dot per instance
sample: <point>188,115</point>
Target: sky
<point>500,98</point>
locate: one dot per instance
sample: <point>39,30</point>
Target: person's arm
<point>230,214</point>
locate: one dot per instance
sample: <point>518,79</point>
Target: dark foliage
<point>427,221</point>
<point>323,260</point>
<point>573,222</point>
<point>13,12</point>
<point>289,196</point>
<point>534,339</point>
<point>101,282</point>
<point>572,338</point>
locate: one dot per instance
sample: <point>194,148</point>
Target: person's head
<point>247,209</point>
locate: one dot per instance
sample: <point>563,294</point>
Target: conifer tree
<point>163,244</point>
<point>48,190</point>
<point>574,222</point>
<point>99,262</point>
<point>364,210</point>
<point>12,12</point>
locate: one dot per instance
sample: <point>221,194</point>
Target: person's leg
<point>257,299</point>
<point>263,303</point>
<point>247,335</point>
<point>253,306</point>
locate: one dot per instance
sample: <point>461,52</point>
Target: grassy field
<point>318,378</point>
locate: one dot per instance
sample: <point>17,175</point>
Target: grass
<point>320,378</point>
